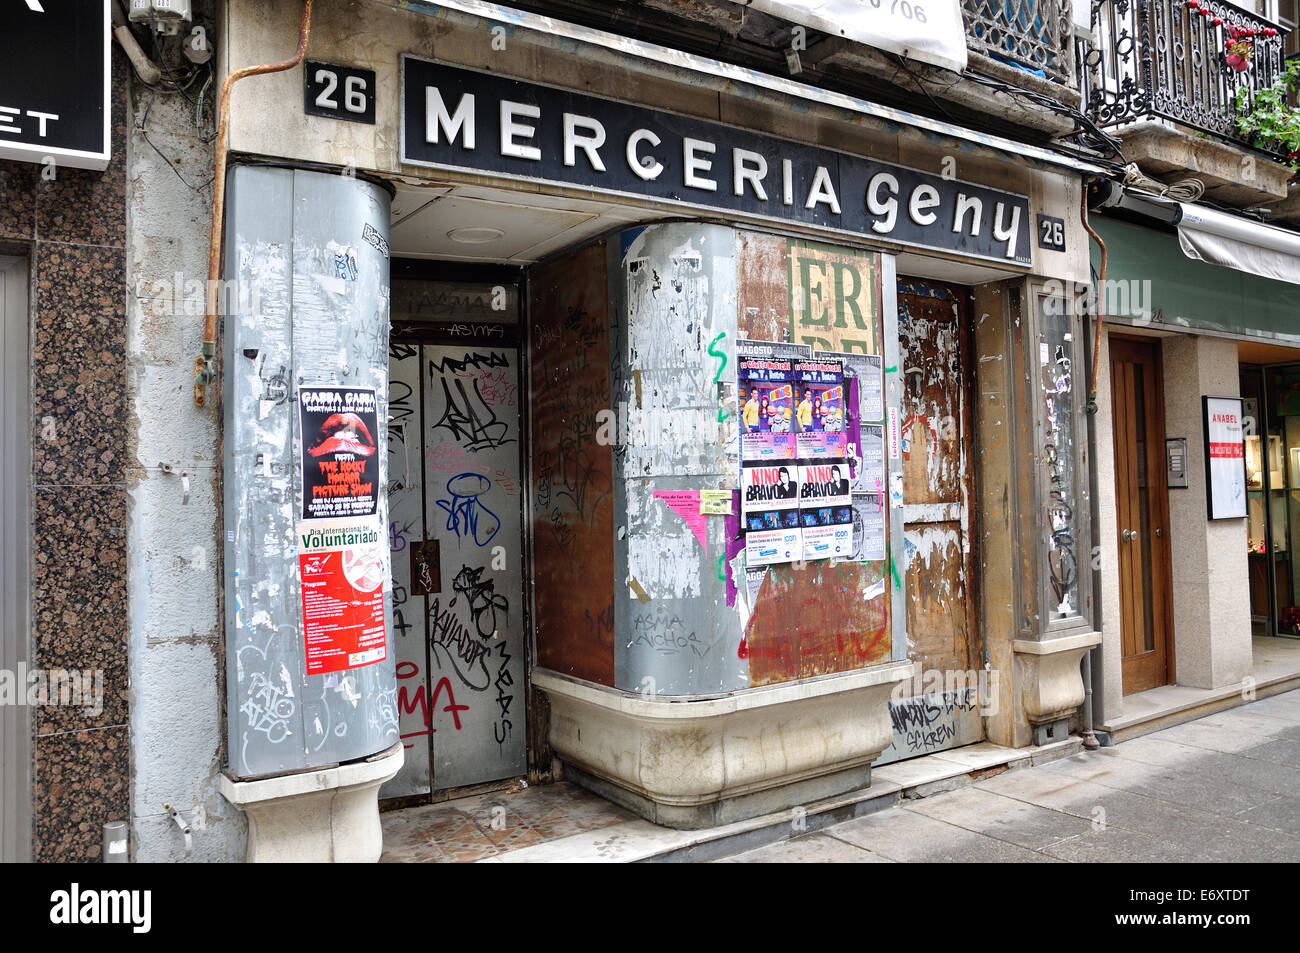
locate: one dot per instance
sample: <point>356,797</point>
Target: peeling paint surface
<point>286,231</point>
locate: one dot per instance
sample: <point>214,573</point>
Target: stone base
<point>787,797</point>
<point>1051,684</point>
<point>693,763</point>
<point>330,815</point>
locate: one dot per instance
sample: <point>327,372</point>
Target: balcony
<point>1033,35</point>
<point>1157,74</point>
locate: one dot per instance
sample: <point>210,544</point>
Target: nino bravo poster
<point>770,509</point>
<point>341,545</point>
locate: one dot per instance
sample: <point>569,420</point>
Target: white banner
<point>930,31</point>
<point>1225,458</point>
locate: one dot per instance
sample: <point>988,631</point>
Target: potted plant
<point>1267,118</point>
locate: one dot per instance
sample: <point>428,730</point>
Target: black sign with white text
<point>339,92</point>
<point>481,122</point>
<point>54,82</point>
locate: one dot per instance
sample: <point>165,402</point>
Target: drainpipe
<point>144,68</point>
<point>1090,741</point>
<point>204,369</point>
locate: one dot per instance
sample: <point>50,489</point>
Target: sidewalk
<point>1224,788</point>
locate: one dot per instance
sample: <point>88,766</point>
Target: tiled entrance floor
<point>488,825</point>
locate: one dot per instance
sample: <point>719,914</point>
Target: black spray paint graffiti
<point>466,654</point>
<point>483,601</point>
<point>505,697</point>
<point>928,722</point>
<point>466,415</point>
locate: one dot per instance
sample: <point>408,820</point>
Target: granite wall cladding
<point>73,229</point>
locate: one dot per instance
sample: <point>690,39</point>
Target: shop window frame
<point>1037,295</point>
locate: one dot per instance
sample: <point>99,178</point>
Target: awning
<point>1221,239</point>
<point>1152,282</point>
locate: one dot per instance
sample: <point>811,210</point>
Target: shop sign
<point>1225,458</point>
<point>930,31</point>
<point>54,83</point>
<point>455,118</point>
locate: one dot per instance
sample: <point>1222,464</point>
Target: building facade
<point>689,404</point>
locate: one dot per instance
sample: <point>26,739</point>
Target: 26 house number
<point>340,92</point>
<point>1051,232</point>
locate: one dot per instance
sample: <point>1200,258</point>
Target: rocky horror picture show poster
<point>340,459</point>
<point>341,564</point>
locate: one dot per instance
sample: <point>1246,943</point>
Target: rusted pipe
<point>1101,318</point>
<point>204,370</point>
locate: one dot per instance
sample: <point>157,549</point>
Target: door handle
<point>1129,535</point>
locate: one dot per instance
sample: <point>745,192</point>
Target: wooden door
<point>1142,515</point>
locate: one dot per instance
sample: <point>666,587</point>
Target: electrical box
<point>166,16</point>
<point>310,670</point>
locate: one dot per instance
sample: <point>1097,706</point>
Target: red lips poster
<point>340,462</point>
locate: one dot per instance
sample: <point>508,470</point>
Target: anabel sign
<point>457,118</point>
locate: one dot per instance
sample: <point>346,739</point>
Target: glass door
<point>1271,408</point>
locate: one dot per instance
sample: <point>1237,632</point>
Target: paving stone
<point>809,849</point>
<point>1003,818</point>
<point>905,835</point>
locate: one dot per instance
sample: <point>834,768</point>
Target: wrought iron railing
<point>1170,59</point>
<point>1032,34</point>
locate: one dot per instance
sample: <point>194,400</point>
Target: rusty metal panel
<point>762,286</point>
<point>815,621</point>
<point>572,473</point>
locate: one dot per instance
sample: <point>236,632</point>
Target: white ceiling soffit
<point>476,224</point>
<point>621,51</point>
<point>1221,239</point>
<point>940,269</point>
<point>938,37</point>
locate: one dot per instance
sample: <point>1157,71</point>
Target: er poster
<point>339,462</point>
<point>341,563</point>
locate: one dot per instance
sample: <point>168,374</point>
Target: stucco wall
<point>173,574</point>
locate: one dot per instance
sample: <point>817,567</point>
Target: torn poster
<point>868,527</point>
<point>686,504</point>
